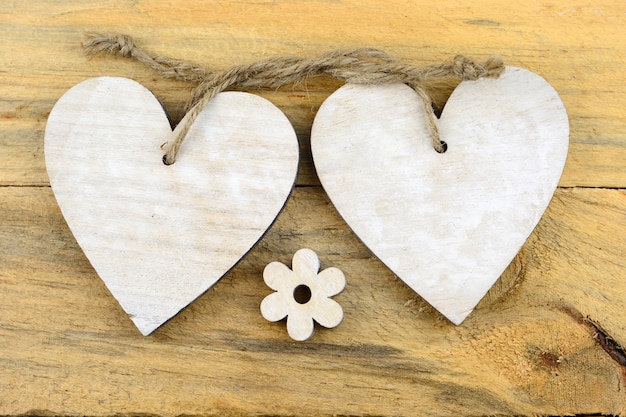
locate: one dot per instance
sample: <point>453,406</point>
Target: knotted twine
<point>360,66</point>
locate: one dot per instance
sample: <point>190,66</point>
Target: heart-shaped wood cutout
<point>159,236</point>
<point>447,224</point>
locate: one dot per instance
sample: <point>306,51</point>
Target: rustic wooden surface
<point>548,343</point>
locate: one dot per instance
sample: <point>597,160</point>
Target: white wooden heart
<point>447,224</point>
<point>160,236</point>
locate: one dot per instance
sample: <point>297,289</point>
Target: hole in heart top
<point>444,147</point>
<point>302,294</point>
<point>167,163</point>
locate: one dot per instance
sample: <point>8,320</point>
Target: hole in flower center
<point>302,294</point>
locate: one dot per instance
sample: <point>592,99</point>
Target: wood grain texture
<point>525,353</point>
<point>447,224</point>
<point>550,345</point>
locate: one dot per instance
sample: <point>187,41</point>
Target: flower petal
<point>274,307</point>
<point>328,313</point>
<point>299,324</point>
<point>305,264</point>
<point>278,277</point>
<point>331,281</point>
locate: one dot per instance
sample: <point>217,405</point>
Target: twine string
<point>361,66</point>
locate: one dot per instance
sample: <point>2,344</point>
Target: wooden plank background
<point>546,341</point>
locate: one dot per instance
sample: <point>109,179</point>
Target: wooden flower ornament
<point>303,295</point>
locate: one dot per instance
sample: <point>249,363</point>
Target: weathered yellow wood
<point>576,47</point>
<point>539,349</point>
<point>68,347</point>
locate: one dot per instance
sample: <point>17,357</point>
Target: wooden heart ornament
<point>159,236</point>
<point>447,224</point>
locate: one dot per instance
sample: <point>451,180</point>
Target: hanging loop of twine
<point>361,66</point>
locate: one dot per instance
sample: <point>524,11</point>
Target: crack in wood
<point>610,346</point>
<point>601,336</point>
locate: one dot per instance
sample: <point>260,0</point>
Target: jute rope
<point>360,66</point>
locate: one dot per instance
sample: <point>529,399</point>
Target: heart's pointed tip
<point>145,327</point>
<point>456,317</point>
<point>456,320</point>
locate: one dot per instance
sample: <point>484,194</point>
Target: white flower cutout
<point>303,295</point>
